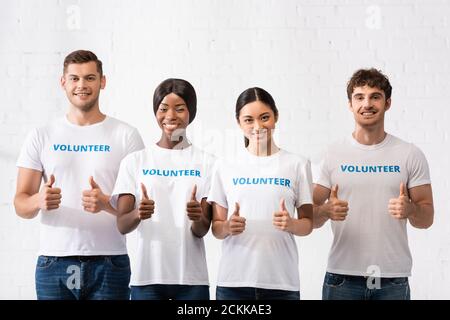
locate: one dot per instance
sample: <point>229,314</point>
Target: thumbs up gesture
<point>49,197</point>
<point>336,209</point>
<point>193,207</point>
<point>281,219</point>
<point>94,200</point>
<point>146,206</point>
<point>400,207</point>
<point>236,223</point>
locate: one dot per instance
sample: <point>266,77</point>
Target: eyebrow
<point>88,75</point>
<point>177,105</point>
<point>371,94</point>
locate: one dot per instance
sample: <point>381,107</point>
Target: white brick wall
<point>302,51</point>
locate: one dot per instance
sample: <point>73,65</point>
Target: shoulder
<point>206,156</point>
<point>42,131</point>
<point>409,148</point>
<point>120,125</point>
<point>136,156</point>
<point>294,158</point>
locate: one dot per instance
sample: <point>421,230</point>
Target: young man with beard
<point>82,254</point>
<point>370,185</point>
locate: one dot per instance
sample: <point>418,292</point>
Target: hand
<point>281,219</point>
<point>146,206</point>
<point>334,208</point>
<point>400,207</point>
<point>193,207</point>
<point>236,223</point>
<point>94,200</point>
<point>49,197</point>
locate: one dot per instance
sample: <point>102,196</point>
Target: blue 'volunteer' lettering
<point>274,181</point>
<point>82,147</point>
<point>171,173</point>
<point>369,169</point>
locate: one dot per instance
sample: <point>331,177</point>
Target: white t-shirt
<point>368,177</point>
<point>261,256</point>
<point>167,250</point>
<point>72,153</point>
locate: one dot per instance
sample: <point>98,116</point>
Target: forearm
<point>200,228</point>
<point>107,205</point>
<point>127,222</point>
<point>320,216</point>
<point>27,206</point>
<point>421,215</point>
<point>301,227</point>
<point>220,229</point>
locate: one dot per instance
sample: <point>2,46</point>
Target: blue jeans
<point>345,287</point>
<point>249,293</point>
<point>170,292</point>
<point>83,278</point>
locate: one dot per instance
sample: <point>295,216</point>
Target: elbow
<point>22,213</point>
<point>310,228</point>
<point>120,227</point>
<point>426,225</point>
<point>423,224</point>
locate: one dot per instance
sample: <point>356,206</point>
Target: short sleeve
<point>323,176</point>
<point>217,191</point>
<point>30,154</point>
<point>417,166</point>
<point>209,162</point>
<point>304,187</point>
<point>135,142</point>
<point>126,179</point>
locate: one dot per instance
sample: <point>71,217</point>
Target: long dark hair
<point>251,95</point>
<point>181,88</point>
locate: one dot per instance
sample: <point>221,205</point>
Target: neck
<point>82,118</point>
<point>263,149</point>
<point>369,135</point>
<point>180,142</point>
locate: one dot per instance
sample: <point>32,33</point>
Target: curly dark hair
<point>371,77</point>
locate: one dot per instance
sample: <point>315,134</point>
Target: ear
<point>276,118</point>
<point>350,105</point>
<point>62,81</point>
<point>103,82</point>
<point>388,104</point>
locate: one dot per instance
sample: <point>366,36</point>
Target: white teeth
<point>170,126</point>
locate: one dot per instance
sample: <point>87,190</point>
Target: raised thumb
<point>402,189</point>
<point>282,205</point>
<point>50,181</point>
<point>236,209</point>
<point>144,192</point>
<point>194,192</point>
<point>334,191</point>
<point>93,184</point>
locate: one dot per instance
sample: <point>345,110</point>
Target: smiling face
<point>368,105</point>
<point>82,83</point>
<point>172,115</point>
<point>257,120</point>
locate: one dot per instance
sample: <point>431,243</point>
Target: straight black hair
<point>181,88</point>
<point>251,95</point>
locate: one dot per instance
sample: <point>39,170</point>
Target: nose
<point>366,103</point>
<point>257,125</point>
<point>171,114</point>
<point>81,83</point>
